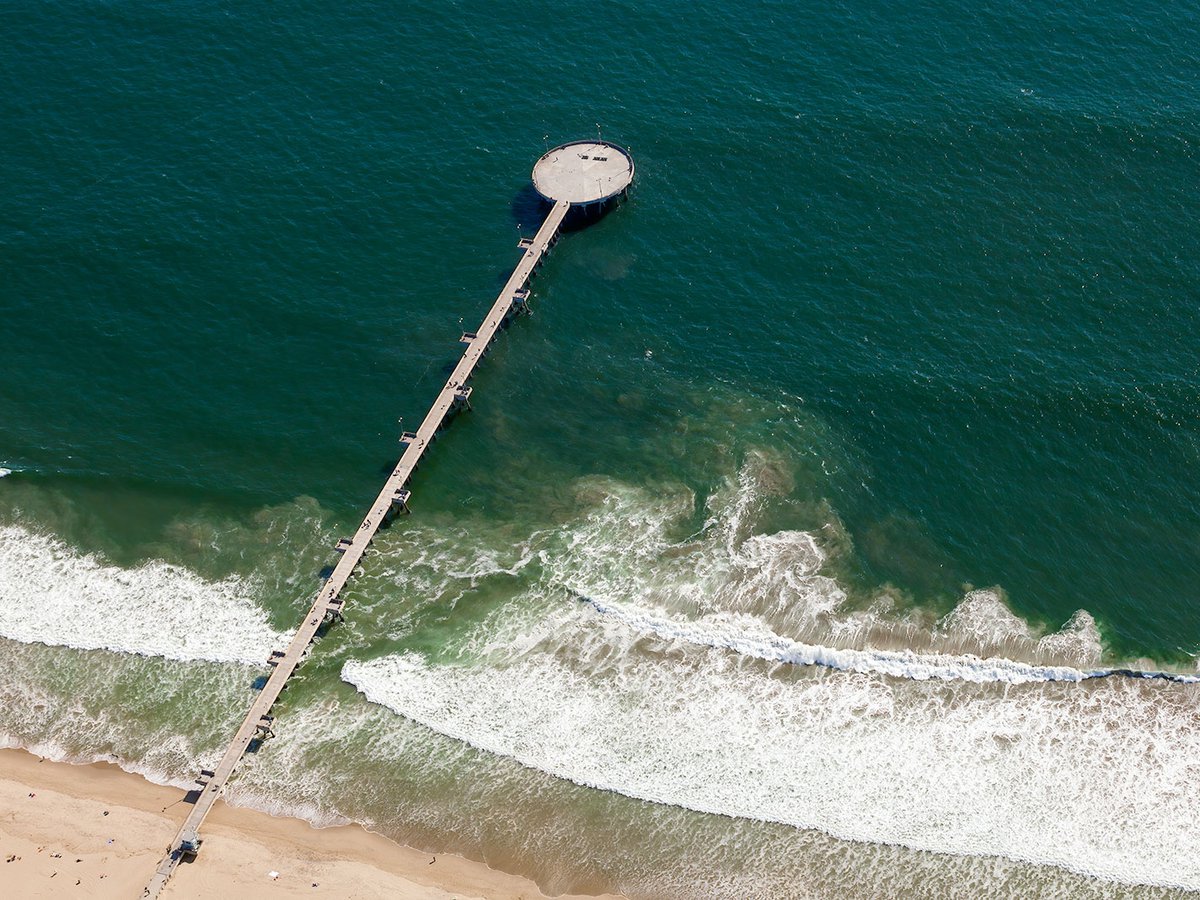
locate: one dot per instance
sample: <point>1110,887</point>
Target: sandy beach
<point>96,831</point>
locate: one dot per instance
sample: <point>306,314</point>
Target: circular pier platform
<point>583,173</point>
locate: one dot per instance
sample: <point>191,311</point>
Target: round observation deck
<point>583,173</point>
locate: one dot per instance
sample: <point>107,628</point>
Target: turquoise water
<point>890,351</point>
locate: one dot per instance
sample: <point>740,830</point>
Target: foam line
<point>52,594</point>
<point>749,637</point>
<point>1046,773</point>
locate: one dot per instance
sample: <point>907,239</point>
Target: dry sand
<point>97,832</point>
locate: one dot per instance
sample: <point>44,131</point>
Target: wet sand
<point>96,831</point>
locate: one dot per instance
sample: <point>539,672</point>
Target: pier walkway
<point>327,606</point>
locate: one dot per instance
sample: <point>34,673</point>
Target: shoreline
<point>98,831</point>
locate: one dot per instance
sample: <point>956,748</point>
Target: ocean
<point>784,540</point>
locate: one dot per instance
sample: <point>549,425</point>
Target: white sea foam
<point>115,707</point>
<point>52,594</point>
<point>57,752</point>
<point>4,471</point>
<point>1049,773</point>
<point>764,595</point>
<point>982,617</point>
<point>624,551</point>
<point>750,636</point>
<point>666,685</point>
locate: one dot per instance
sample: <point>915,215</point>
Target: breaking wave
<point>766,595</point>
<point>53,594</point>
<point>722,671</point>
<point>749,636</point>
<point>1048,773</point>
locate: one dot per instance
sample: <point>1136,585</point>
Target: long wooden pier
<point>327,606</point>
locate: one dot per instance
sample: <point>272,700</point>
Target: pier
<point>586,175</point>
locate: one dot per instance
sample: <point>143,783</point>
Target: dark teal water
<point>916,280</point>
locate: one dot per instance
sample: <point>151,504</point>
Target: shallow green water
<point>916,281</point>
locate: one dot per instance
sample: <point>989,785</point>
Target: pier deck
<point>328,602</point>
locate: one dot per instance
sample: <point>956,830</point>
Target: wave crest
<point>53,594</point>
<point>1050,773</point>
